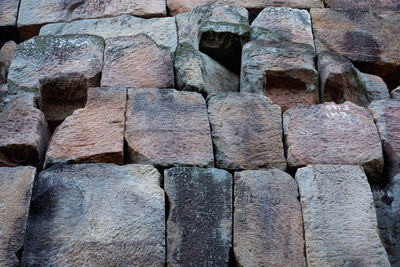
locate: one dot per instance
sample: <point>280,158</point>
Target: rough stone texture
<point>268,224</point>
<point>374,4</point>
<point>96,215</point>
<point>339,217</point>
<point>340,80</point>
<point>6,55</point>
<point>283,24</point>
<point>23,130</point>
<point>161,30</point>
<point>366,37</point>
<point>387,117</point>
<point>137,61</point>
<point>35,13</point>
<point>16,188</point>
<point>333,134</point>
<point>283,71</point>
<point>196,71</point>
<point>199,224</point>
<point>59,69</point>
<point>246,131</point>
<point>180,6</point>
<point>387,204</point>
<point>395,94</point>
<point>93,134</point>
<point>8,20</point>
<point>218,31</point>
<point>168,128</point>
<point>375,87</point>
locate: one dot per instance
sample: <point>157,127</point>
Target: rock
<point>333,134</point>
<point>375,87</point>
<point>340,80</point>
<point>161,30</point>
<point>180,6</point>
<point>283,71</point>
<point>268,224</point>
<point>387,117</point>
<point>395,94</point>
<point>218,31</point>
<point>33,14</point>
<point>283,24</point>
<point>16,188</point>
<point>246,131</point>
<point>96,215</point>
<point>199,226</point>
<point>339,217</point>
<point>8,20</point>
<point>137,61</point>
<point>196,71</point>
<point>168,128</point>
<point>59,69</point>
<point>373,4</point>
<point>363,35</point>
<point>387,204</point>
<point>6,55</point>
<point>93,134</point>
<point>23,131</point>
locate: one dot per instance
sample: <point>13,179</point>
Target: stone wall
<point>199,133</point>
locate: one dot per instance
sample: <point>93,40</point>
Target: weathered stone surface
<point>395,94</point>
<point>161,30</point>
<point>16,188</point>
<point>333,134</point>
<point>339,217</point>
<point>283,24</point>
<point>340,80</point>
<point>199,224</point>
<point>268,225</point>
<point>96,215</point>
<point>366,37</point>
<point>59,69</point>
<point>137,61</point>
<point>93,134</point>
<point>218,31</point>
<point>6,55</point>
<point>168,128</point>
<point>8,20</point>
<point>383,4</point>
<point>246,131</point>
<point>23,130</point>
<point>180,6</point>
<point>283,71</point>
<point>387,117</point>
<point>375,87</point>
<point>387,204</point>
<point>35,13</point>
<point>196,71</point>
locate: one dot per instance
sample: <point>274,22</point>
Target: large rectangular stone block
<point>268,224</point>
<point>23,130</point>
<point>333,134</point>
<point>199,226</point>
<point>165,127</point>
<point>93,134</point>
<point>366,36</point>
<point>15,197</point>
<point>35,13</point>
<point>339,217</point>
<point>246,131</point>
<point>96,215</point>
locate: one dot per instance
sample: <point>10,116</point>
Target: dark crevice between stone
<point>18,253</point>
<point>253,14</point>
<point>167,208</point>
<point>232,260</point>
<point>212,139</point>
<point>390,73</point>
<point>8,33</point>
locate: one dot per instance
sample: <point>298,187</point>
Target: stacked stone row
<point>206,178</point>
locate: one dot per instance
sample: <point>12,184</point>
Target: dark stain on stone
<point>363,44</point>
